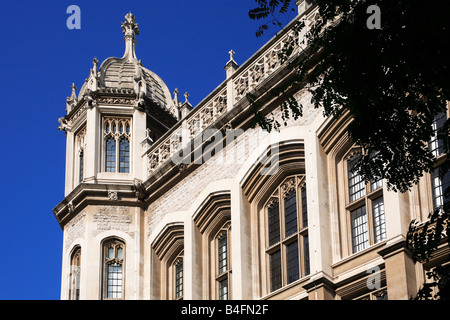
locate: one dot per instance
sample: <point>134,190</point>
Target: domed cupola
<point>127,76</point>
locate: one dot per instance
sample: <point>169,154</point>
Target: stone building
<point>166,201</point>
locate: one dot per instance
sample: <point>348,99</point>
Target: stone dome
<point>128,75</point>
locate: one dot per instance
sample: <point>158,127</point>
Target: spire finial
<point>232,53</point>
<point>186,96</point>
<point>130,29</point>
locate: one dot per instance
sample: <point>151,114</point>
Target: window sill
<point>352,256</point>
<point>286,287</point>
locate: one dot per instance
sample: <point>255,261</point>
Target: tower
<point>120,110</point>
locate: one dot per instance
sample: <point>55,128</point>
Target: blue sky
<point>185,42</point>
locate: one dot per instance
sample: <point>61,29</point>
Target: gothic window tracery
<point>117,138</point>
<point>75,274</point>
<point>113,269</point>
<point>287,243</point>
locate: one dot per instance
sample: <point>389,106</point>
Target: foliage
<point>393,81</point>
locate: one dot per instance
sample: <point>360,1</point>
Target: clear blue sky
<point>185,42</point>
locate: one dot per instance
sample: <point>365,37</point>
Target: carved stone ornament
<point>139,189</point>
<point>112,195</point>
<point>287,186</point>
<point>273,200</point>
<point>182,167</point>
<point>62,124</point>
<point>70,207</point>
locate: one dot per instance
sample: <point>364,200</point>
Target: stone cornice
<point>96,194</point>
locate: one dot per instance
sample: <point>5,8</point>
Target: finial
<point>130,29</point>
<point>186,96</point>
<point>95,62</point>
<point>232,53</point>
<point>73,87</point>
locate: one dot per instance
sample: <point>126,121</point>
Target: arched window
<point>169,263</point>
<point>178,283</point>
<point>75,273</point>
<point>287,246</point>
<point>124,155</point>
<point>117,137</point>
<point>110,164</point>
<point>223,261</point>
<point>113,269</point>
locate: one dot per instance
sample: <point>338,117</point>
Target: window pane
<point>179,279</point>
<point>379,223</point>
<point>439,185</point>
<point>275,270</point>
<point>376,184</point>
<point>292,262</point>
<point>119,253</point>
<point>290,213</point>
<point>124,156</point>
<point>110,253</point>
<point>355,182</point>
<point>360,236</point>
<point>306,253</point>
<point>304,207</point>
<point>274,223</point>
<point>110,155</point>
<point>436,145</point>
<point>81,159</point>
<point>223,289</point>
<point>223,253</point>
<point>114,284</point>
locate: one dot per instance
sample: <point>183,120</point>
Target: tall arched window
<point>113,269</point>
<point>75,273</point>
<point>178,274</point>
<point>287,245</point>
<point>117,133</point>
<point>223,261</point>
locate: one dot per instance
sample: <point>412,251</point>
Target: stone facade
<point>181,211</point>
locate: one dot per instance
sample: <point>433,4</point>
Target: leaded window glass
<point>355,182</point>
<point>117,138</point>
<point>360,234</point>
<point>81,165</point>
<point>379,223</point>
<point>179,278</point>
<point>287,233</point>
<point>290,212</point>
<point>110,164</point>
<point>113,270</point>
<point>75,275</point>
<point>124,156</point>
<point>292,262</point>
<point>366,224</point>
<point>223,289</point>
<point>439,181</point>
<point>274,223</point>
<point>223,248</point>
<point>275,270</point>
<point>436,144</point>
